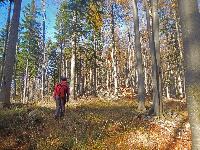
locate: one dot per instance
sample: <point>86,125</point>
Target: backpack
<point>60,90</point>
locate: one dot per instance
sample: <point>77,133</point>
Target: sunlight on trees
<point>145,52</point>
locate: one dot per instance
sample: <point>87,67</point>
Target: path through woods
<point>95,124</point>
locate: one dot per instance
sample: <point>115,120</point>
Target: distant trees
<point>31,50</point>
<point>63,25</point>
<point>75,23</point>
<point>105,48</point>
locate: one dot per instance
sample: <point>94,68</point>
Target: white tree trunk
<point>180,86</point>
<point>113,54</point>
<point>73,60</point>
<point>25,83</point>
<point>73,75</point>
<point>167,92</point>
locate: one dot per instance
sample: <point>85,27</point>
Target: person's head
<point>63,78</point>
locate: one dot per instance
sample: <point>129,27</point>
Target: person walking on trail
<point>61,96</point>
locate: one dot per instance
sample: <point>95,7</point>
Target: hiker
<point>61,96</point>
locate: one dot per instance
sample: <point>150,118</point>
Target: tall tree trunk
<point>73,59</point>
<point>44,50</point>
<point>91,80</point>
<point>180,47</point>
<point>155,26</point>
<point>61,69</point>
<point>140,69</point>
<point>155,77</point>
<point>10,56</point>
<point>190,23</point>
<point>66,68</point>
<point>14,82</point>
<point>180,86</point>
<point>25,82</point>
<point>128,62</point>
<point>14,76</point>
<point>85,84</point>
<point>6,42</point>
<point>28,88</point>
<point>61,60</point>
<point>31,89</point>
<point>114,57</point>
<point>145,72</point>
<point>64,65</point>
<point>107,77</point>
<point>78,75</point>
<point>73,74</point>
<point>81,79</point>
<point>21,89</point>
<point>95,68</point>
<point>168,76</point>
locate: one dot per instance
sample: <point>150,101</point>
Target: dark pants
<point>60,106</point>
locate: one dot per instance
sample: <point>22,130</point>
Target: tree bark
<point>155,27</point>
<point>44,50</point>
<point>128,62</point>
<point>73,60</point>
<point>25,82</point>
<point>190,23</point>
<point>155,84</point>
<point>139,64</point>
<point>95,67</point>
<point>6,41</point>
<point>10,56</point>
<point>113,54</point>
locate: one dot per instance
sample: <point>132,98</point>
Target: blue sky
<point>51,10</point>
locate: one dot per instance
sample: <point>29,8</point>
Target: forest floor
<point>95,124</point>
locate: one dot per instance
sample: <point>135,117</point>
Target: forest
<point>132,68</point>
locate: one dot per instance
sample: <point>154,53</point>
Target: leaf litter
<point>95,124</point>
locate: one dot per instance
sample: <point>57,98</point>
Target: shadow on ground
<point>85,126</point>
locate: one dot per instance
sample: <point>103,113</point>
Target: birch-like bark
<point>95,68</point>
<point>73,59</point>
<point>113,54</point>
<point>25,82</point>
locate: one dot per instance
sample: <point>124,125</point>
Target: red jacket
<point>61,89</point>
